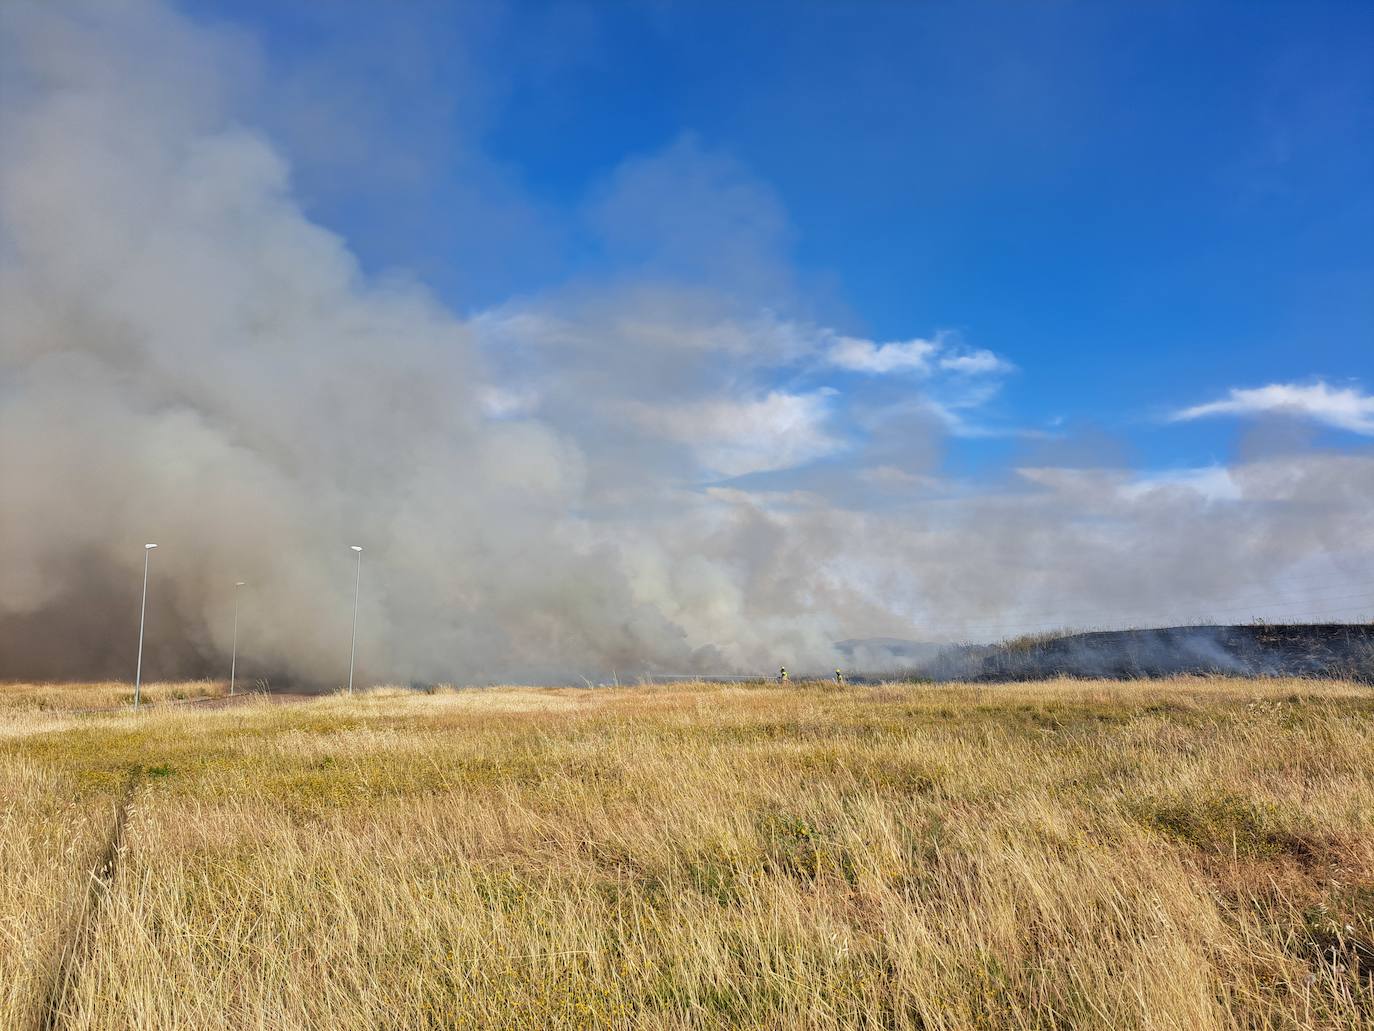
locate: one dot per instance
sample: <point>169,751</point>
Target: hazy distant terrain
<point>1252,649</point>
<point>1185,853</point>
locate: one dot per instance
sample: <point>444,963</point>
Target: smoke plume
<point>605,476</point>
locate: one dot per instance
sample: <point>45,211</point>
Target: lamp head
<point>356,547</point>
<point>238,583</point>
<point>149,547</point>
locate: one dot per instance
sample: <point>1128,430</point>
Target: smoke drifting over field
<point>187,358</point>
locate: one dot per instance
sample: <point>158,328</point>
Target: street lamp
<point>234,655</point>
<point>357,582</point>
<point>142,612</point>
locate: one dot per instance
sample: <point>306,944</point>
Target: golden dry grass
<point>48,834</point>
<point>106,694</point>
<point>1193,853</point>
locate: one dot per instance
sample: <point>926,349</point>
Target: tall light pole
<point>357,582</point>
<point>142,613</point>
<point>234,655</point>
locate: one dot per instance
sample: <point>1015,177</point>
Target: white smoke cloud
<point>186,357</point>
<point>191,360</point>
<point>733,438</point>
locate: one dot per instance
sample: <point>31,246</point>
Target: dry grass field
<point>21,697</point>
<point>1190,854</point>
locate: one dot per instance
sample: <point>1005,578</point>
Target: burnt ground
<point>1260,649</point>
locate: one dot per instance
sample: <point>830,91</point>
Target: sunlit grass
<point>1195,853</point>
<point>105,694</point>
<point>49,830</point>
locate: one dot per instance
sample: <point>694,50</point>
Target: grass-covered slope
<point>1332,650</point>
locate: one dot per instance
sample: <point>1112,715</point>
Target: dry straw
<point>1196,853</point>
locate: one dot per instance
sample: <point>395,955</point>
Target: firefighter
<point>782,675</point>
<point>839,677</point>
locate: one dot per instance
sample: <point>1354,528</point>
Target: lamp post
<point>357,582</point>
<point>234,654</point>
<point>142,613</point>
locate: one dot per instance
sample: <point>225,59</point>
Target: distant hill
<point>1325,649</point>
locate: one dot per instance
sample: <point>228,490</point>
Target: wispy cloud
<point>1346,409</point>
<point>918,356</point>
<point>975,363</point>
<point>860,355</point>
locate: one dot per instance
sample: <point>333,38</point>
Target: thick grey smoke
<point>186,358</point>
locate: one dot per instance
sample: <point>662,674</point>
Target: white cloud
<point>975,363</point>
<point>731,437</point>
<point>917,356</point>
<point>1346,409</point>
<point>860,355</point>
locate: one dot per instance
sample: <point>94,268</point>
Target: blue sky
<point>1141,208</point>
